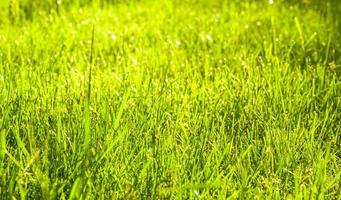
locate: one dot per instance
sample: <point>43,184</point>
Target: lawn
<point>170,99</point>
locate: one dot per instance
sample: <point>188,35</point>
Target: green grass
<point>156,99</point>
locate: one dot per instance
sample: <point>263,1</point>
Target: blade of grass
<point>87,121</point>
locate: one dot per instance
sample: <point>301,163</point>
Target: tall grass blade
<point>87,120</point>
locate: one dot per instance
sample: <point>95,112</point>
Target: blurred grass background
<point>189,99</point>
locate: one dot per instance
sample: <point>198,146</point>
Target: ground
<point>179,99</point>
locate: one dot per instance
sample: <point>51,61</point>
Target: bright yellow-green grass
<point>170,99</point>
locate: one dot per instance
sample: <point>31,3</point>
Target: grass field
<point>178,99</point>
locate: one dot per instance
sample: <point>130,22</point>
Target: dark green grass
<point>170,99</point>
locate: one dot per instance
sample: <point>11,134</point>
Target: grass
<point>188,99</point>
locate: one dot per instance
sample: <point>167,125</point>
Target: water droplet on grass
<point>208,37</point>
<point>177,43</point>
<point>113,37</point>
